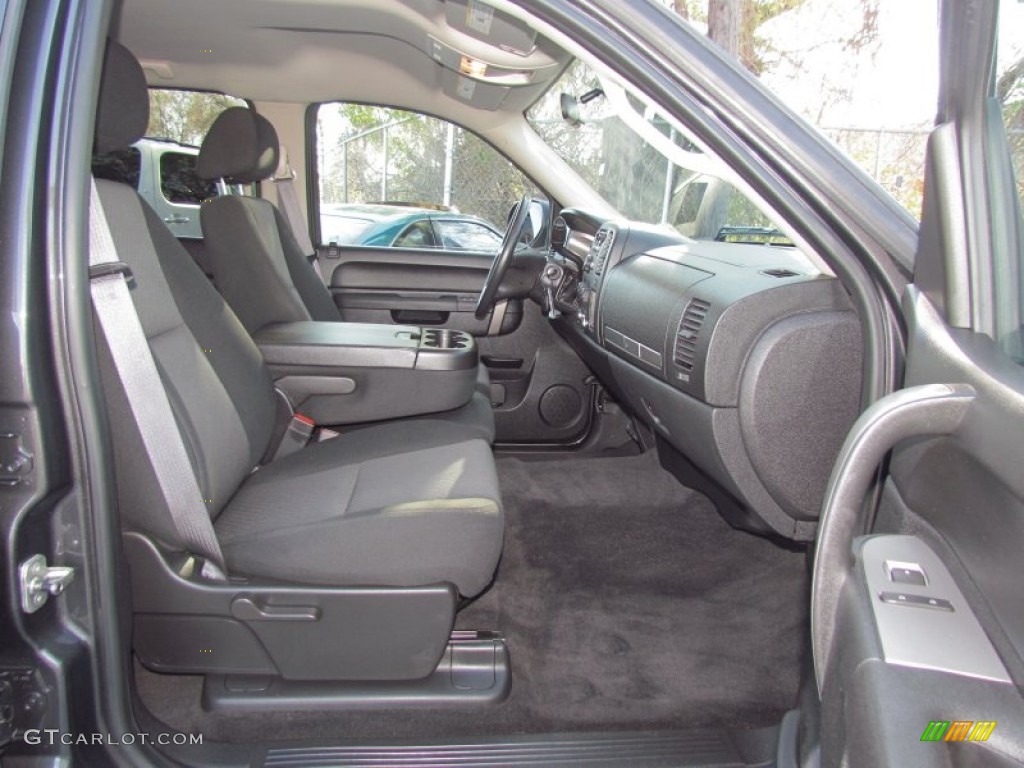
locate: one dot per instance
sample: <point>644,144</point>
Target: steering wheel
<point>506,254</point>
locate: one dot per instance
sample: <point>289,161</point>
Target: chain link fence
<point>415,159</point>
<point>893,158</point>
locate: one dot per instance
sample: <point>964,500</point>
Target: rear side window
<point>178,123</point>
<point>186,116</point>
<point>179,181</point>
<point>122,165</point>
<point>418,235</point>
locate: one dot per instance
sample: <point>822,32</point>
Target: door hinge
<point>39,581</point>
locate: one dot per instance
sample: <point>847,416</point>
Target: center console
<point>348,373</point>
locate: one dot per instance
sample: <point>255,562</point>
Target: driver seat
<point>254,258</point>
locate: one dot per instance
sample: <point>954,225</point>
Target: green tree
<point>1010,93</point>
<point>185,116</point>
<point>354,158</point>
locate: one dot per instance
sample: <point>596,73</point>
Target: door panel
<point>413,286</point>
<point>958,496</point>
<point>539,387</point>
<point>542,385</point>
<point>944,687</point>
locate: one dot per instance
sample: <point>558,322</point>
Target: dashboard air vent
<point>689,328</point>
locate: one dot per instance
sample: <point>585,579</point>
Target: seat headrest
<point>122,115</point>
<point>241,148</point>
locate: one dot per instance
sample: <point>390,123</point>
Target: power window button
<point>906,573</point>
<point>918,601</point>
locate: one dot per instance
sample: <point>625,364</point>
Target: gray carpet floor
<point>627,603</point>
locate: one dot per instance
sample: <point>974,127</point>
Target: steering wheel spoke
<point>504,259</point>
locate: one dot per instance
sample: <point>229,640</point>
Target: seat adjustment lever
<point>247,609</point>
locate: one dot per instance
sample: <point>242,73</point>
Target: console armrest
<point>347,373</point>
<point>366,345</point>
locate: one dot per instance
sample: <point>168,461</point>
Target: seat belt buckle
<point>296,436</point>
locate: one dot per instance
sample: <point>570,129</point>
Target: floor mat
<point>627,603</point>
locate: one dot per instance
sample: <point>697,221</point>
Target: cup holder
<point>442,338</point>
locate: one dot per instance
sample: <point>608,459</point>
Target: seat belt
<point>297,436</point>
<point>146,395</point>
<point>288,200</point>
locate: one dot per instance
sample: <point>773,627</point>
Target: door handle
<point>247,609</point>
<point>176,219</point>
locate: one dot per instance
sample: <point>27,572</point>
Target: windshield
<point>622,148</point>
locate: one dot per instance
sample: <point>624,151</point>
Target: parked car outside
<point>164,173</point>
<point>749,503</point>
<point>405,226</point>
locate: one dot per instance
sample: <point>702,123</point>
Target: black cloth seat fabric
<point>358,514</point>
<point>401,504</point>
<point>254,257</point>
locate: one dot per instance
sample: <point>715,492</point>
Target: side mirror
<point>570,105</point>
<point>570,109</point>
<point>538,219</point>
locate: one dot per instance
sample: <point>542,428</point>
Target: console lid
<point>348,373</point>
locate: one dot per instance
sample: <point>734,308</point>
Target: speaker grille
<point>560,406</point>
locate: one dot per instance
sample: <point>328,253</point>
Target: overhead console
<point>744,360</point>
<point>485,52</point>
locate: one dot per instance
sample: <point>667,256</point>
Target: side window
<point>864,73</point>
<point>121,165</point>
<point>184,117</point>
<point>179,182</point>
<point>1009,96</point>
<point>1010,86</point>
<point>467,235</point>
<point>178,122</point>
<point>385,173</point>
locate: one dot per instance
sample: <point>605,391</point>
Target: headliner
<point>308,51</point>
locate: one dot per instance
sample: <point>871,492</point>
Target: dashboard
<point>742,359</point>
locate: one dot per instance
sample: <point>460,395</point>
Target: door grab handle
<point>247,609</point>
<point>922,411</point>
